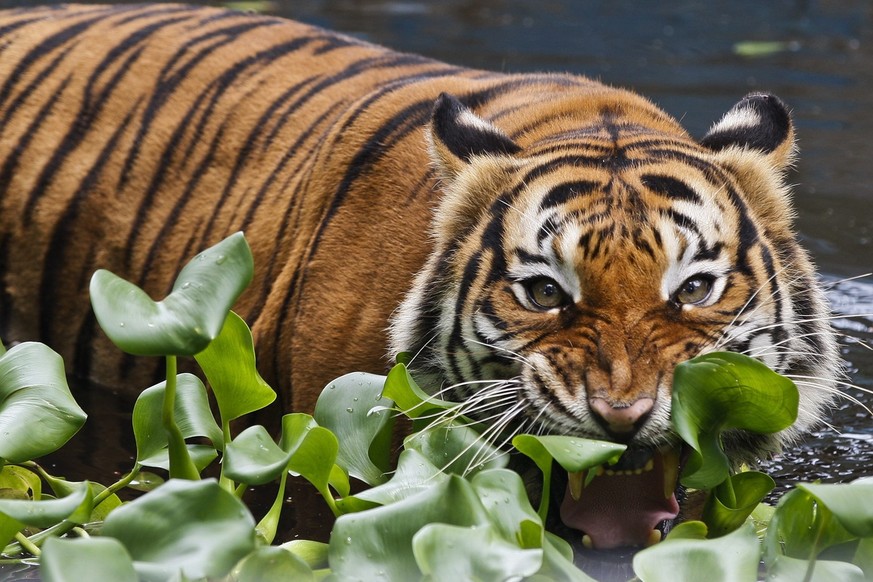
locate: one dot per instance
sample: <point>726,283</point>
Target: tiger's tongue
<point>620,510</point>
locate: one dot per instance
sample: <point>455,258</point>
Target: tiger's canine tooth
<point>654,538</point>
<point>586,542</point>
<point>576,482</point>
<point>670,461</point>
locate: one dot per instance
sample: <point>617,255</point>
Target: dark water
<point>695,59</point>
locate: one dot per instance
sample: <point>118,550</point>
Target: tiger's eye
<point>545,293</point>
<point>694,290</point>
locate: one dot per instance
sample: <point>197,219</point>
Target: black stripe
<point>10,164</point>
<point>670,187</point>
<point>168,156</point>
<point>566,192</point>
<point>170,78</point>
<point>55,257</point>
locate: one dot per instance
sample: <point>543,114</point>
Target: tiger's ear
<point>457,135</point>
<point>760,123</point>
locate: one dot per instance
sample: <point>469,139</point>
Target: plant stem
<point>27,545</point>
<point>120,484</point>
<point>226,483</point>
<point>816,546</point>
<point>266,528</point>
<point>181,465</point>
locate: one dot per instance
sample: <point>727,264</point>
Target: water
<point>695,59</point>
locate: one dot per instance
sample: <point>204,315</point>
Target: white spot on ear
<point>470,119</point>
<point>743,118</point>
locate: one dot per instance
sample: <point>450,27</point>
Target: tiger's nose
<point>621,422</point>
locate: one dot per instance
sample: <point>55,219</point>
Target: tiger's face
<point>572,274</point>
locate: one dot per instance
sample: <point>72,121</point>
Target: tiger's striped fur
<point>131,137</point>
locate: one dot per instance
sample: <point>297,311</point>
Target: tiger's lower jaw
<point>626,504</point>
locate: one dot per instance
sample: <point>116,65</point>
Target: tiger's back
<point>133,137</point>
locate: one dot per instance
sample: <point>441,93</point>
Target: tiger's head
<point>578,262</point>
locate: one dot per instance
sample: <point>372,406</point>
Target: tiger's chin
<point>631,503</point>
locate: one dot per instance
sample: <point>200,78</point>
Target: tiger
<point>547,248</point>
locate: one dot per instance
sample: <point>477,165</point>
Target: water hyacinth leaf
<point>377,543</point>
<point>689,530</point>
<point>75,560</point>
<point>64,488</point>
<point>38,414</point>
<point>786,569</point>
<point>414,474</point>
<point>193,527</point>
<point>229,365</point>
<point>21,480</point>
<point>272,563</point>
<point>192,414</point>
<point>190,317</point>
<point>505,499</point>
<point>733,501</point>
<point>850,503</point>
<point>253,457</point>
<point>16,513</point>
<point>314,458</point>
<point>800,529</point>
<point>731,558</point>
<point>450,553</point>
<point>407,395</point>
<point>864,557</point>
<point>558,563</point>
<point>312,552</point>
<point>352,408</point>
<point>572,453</point>
<point>456,448</point>
<point>716,392</point>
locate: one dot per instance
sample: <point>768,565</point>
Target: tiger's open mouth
<point>624,503</point>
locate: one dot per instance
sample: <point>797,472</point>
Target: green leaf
<point>731,558</point>
<point>456,448</point>
<point>229,365</point>
<point>352,408</point>
<point>414,474</point>
<point>558,564</point>
<point>314,458</point>
<point>407,395</point>
<point>850,503</point>
<point>864,557</point>
<point>75,560</point>
<point>450,553</point>
<point>272,563</point>
<point>721,391</point>
<point>190,317</point>
<point>504,498</point>
<point>689,530</point>
<point>21,480</point>
<point>16,513</point>
<point>800,529</point>
<point>377,543</point>
<point>572,453</point>
<point>254,458</point>
<point>760,48</point>
<point>193,416</point>
<point>38,414</point>
<point>733,501</point>
<point>311,552</point>
<point>786,569</point>
<point>193,527</point>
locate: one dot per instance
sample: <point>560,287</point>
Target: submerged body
<point>565,238</point>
